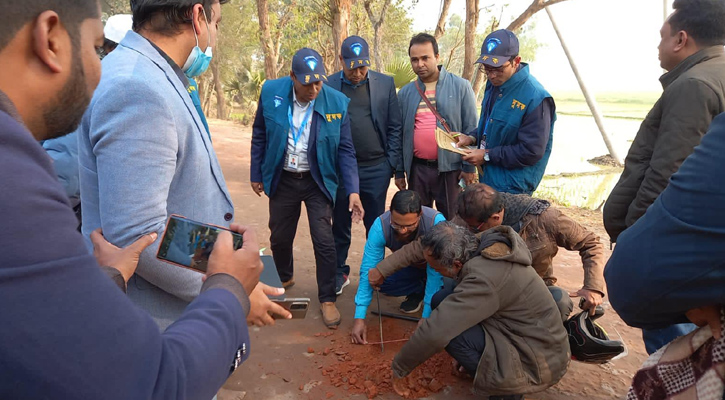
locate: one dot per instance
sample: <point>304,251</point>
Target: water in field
<point>570,179</point>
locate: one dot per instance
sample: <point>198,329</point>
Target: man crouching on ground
<point>497,319</point>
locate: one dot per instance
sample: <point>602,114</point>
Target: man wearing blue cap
<point>301,147</point>
<point>515,131</point>
<point>375,125</point>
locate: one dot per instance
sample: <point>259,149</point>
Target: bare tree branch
<point>441,26</point>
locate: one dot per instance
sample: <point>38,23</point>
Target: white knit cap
<point>117,26</point>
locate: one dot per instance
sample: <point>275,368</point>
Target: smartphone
<point>297,307</point>
<point>189,243</point>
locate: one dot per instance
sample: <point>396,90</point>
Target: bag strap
<point>433,109</point>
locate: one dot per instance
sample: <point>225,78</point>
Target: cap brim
<point>492,61</point>
<point>307,79</point>
<point>352,63</point>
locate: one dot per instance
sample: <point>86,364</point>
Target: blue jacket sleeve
<point>259,144</point>
<point>374,253</point>
<point>346,159</point>
<point>673,259</point>
<point>469,118</point>
<point>395,129</point>
<point>72,311</point>
<point>64,152</point>
<point>532,138</point>
<point>434,280</point>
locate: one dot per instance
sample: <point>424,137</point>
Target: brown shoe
<point>330,315</point>
<point>288,284</point>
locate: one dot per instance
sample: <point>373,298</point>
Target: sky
<point>614,42</point>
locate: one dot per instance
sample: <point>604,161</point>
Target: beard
<point>66,111</point>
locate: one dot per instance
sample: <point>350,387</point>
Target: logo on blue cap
<point>356,48</point>
<point>492,43</point>
<point>311,62</point>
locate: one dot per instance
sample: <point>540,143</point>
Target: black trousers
<point>431,185</point>
<point>284,214</point>
<point>466,348</point>
<point>374,182</point>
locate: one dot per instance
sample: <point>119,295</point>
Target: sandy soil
<point>301,359</point>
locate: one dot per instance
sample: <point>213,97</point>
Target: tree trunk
<point>377,24</point>
<point>220,101</point>
<point>207,97</point>
<point>534,7</point>
<point>340,10</point>
<point>469,58</point>
<point>265,39</point>
<point>441,27</point>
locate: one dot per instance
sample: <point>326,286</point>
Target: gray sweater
<point>455,102</point>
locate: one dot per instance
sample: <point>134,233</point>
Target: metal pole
<point>665,9</point>
<point>380,321</point>
<point>591,102</point>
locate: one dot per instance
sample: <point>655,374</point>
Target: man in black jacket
<point>375,124</point>
<point>691,50</point>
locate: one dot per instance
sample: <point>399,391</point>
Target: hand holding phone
<point>243,264</point>
<point>264,310</point>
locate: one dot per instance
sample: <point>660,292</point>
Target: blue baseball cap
<point>355,52</point>
<point>308,67</point>
<point>498,47</point>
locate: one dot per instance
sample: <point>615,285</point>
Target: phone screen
<point>189,243</point>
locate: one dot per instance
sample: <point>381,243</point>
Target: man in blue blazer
<point>301,146</point>
<point>375,126</point>
<point>66,330</point>
<point>145,152</point>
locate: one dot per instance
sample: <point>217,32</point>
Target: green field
<point>633,105</point>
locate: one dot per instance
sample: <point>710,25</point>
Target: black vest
<point>427,220</point>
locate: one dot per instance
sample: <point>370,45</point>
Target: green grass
<point>625,105</point>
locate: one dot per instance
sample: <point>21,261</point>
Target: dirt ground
<point>301,359</point>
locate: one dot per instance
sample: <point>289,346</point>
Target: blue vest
<point>427,220</point>
<point>518,96</point>
<point>330,105</point>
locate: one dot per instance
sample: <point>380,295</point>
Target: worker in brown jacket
<point>499,322</point>
<point>542,227</point>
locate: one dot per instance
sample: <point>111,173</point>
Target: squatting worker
<point>515,131</point>
<point>511,344</point>
<point>406,221</point>
<point>375,125</point>
<point>301,148</point>
<point>544,229</point>
<point>440,99</point>
<point>58,307</point>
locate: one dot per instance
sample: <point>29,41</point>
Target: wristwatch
<point>486,158</point>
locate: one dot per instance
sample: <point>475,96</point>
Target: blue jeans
<point>655,339</point>
<point>407,281</point>
<point>374,182</point>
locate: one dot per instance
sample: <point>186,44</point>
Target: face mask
<point>198,61</point>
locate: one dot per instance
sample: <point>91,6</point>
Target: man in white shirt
<point>301,143</point>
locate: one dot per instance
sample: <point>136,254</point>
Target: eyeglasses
<point>406,227</point>
<point>494,70</point>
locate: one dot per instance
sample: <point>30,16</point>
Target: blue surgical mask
<point>198,62</point>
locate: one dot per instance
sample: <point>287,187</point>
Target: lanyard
<point>296,136</point>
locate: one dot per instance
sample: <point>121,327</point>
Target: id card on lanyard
<point>293,158</point>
